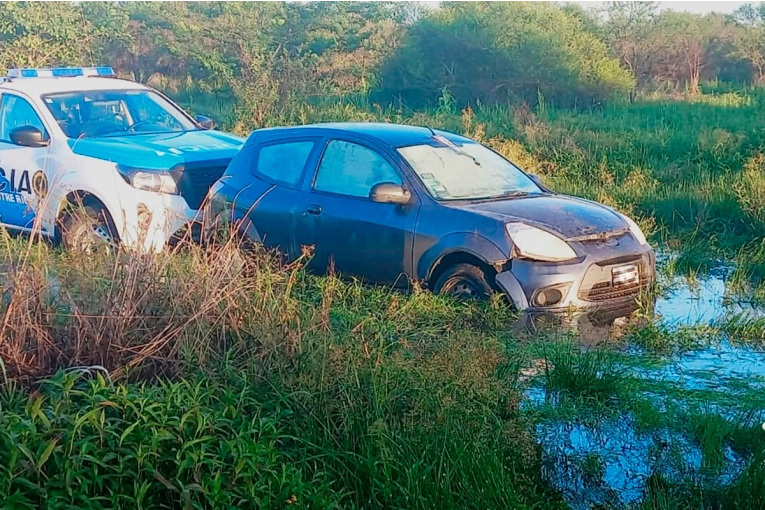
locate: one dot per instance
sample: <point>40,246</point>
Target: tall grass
<point>270,388</point>
<point>219,378</point>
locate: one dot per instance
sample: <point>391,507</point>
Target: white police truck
<point>90,160</point>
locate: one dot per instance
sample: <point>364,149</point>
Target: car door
<point>23,181</point>
<point>347,230</point>
<point>271,188</point>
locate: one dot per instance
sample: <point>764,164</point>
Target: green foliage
<point>593,374</point>
<point>296,391</point>
<point>32,33</point>
<point>269,388</point>
<point>270,57</point>
<point>199,444</point>
<point>495,52</point>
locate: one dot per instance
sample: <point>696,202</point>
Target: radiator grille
<point>604,291</point>
<point>196,180</point>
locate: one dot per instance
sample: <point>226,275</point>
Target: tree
<point>749,42</point>
<point>631,31</point>
<point>499,52</point>
<point>36,34</point>
<point>688,41</point>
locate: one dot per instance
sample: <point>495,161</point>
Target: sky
<point>725,7</point>
<point>695,7</point>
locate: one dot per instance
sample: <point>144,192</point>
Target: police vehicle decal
<point>15,196</point>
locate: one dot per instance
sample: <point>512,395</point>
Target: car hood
<point>160,151</point>
<point>569,217</point>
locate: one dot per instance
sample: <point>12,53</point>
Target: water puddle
<point>704,302</point>
<point>715,368</point>
<point>609,462</point>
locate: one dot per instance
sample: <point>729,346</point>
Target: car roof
<point>395,135</point>
<point>41,86</point>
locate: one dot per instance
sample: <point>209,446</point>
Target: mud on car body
<point>390,204</point>
<point>90,159</point>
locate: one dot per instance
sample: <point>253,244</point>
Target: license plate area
<point>625,275</point>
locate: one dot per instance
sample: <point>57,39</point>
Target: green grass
<point>260,386</point>
<point>241,383</point>
<point>237,441</point>
<point>592,374</point>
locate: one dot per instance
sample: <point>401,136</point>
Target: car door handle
<point>314,209</point>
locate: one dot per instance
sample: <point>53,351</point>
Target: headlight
<point>152,181</point>
<point>635,230</point>
<point>149,180</point>
<point>536,244</point>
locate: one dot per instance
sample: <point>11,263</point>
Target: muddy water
<point>609,461</point>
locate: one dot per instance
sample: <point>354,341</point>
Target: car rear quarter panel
<point>238,192</point>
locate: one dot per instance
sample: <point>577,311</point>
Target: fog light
<point>550,296</point>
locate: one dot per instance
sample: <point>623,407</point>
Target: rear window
<point>284,162</point>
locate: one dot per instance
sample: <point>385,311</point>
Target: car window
<point>284,162</point>
<point>146,108</point>
<point>101,113</point>
<point>351,169</point>
<point>15,112</point>
<point>465,172</point>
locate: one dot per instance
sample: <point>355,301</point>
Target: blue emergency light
<point>60,72</point>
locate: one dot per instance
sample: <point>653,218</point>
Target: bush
<point>499,52</point>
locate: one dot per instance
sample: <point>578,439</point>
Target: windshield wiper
<point>448,143</point>
<point>507,194</point>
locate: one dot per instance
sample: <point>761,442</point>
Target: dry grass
<point>127,311</point>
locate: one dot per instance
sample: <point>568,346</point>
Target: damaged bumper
<point>610,275</point>
<point>151,221</point>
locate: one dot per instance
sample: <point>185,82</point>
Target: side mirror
<point>204,122</point>
<point>28,136</point>
<point>389,193</point>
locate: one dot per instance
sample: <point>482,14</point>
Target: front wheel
<point>87,230</point>
<point>464,282</point>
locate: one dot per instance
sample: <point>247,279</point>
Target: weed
<point>593,374</point>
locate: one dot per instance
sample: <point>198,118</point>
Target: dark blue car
<point>390,204</point>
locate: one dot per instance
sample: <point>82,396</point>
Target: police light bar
<point>60,72</point>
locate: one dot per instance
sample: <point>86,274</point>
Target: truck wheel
<point>88,229</point>
<point>464,282</point>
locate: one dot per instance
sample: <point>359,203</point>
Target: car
<point>394,204</point>
<point>91,161</point>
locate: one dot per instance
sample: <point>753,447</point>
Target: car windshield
<point>469,171</point>
<point>103,113</point>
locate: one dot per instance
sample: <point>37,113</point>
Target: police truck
<point>93,161</point>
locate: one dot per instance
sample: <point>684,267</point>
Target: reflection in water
<point>592,328</point>
<point>680,305</point>
<point>713,368</point>
<point>702,303</point>
<point>609,462</point>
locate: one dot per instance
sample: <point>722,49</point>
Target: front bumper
<point>594,281</point>
<point>153,220</point>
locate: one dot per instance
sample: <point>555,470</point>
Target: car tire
<point>87,229</point>
<point>464,282</point>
